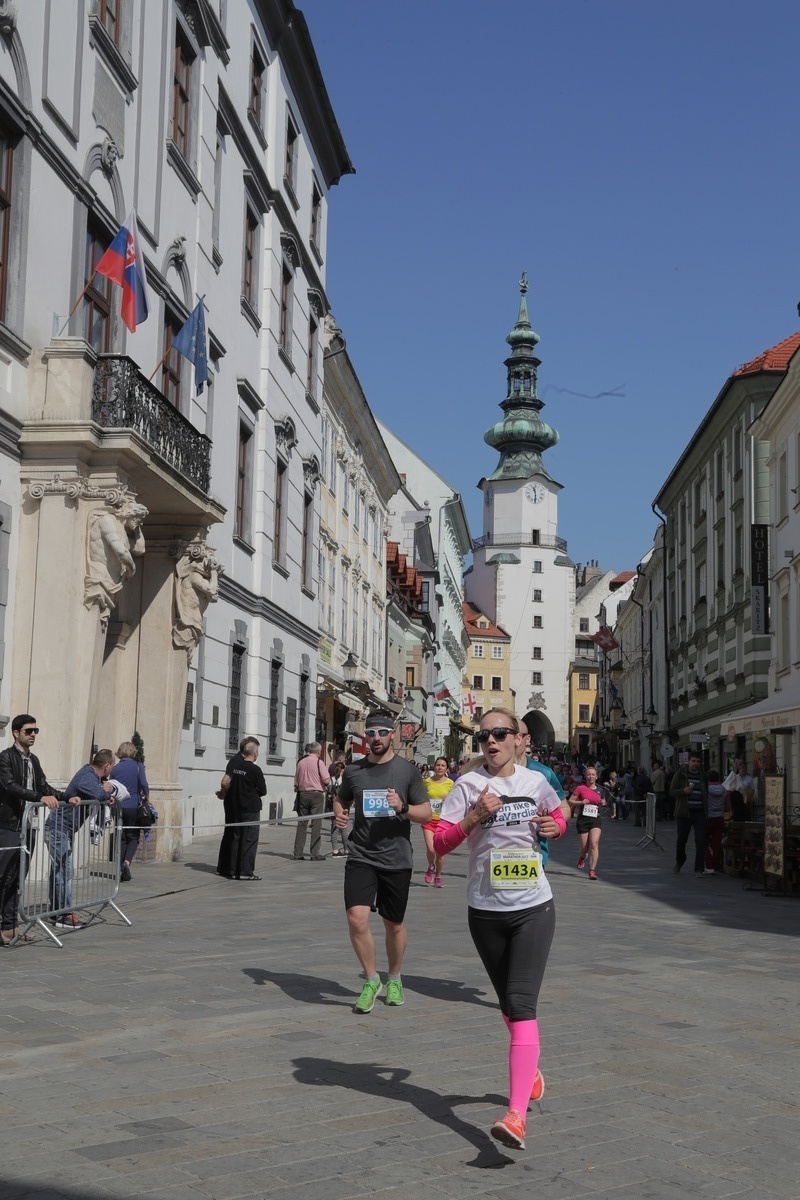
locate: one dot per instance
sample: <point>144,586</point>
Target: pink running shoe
<point>437,881</point>
<point>429,875</point>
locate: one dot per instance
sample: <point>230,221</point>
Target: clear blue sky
<point>638,159</point>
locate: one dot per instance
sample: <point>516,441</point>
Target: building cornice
<point>259,606</point>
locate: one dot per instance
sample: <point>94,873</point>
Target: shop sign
<point>759,579</point>
<point>325,651</point>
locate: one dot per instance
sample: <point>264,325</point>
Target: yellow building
<point>487,675</point>
<point>582,687</point>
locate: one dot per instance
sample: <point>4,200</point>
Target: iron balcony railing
<point>123,399</point>
<point>543,540</point>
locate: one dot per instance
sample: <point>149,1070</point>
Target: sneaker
<point>510,1130</point>
<point>394,993</point>
<point>592,875</point>
<point>437,881</point>
<point>369,994</point>
<point>580,864</point>
<point>709,871</point>
<point>538,1087</point>
<point>676,869</point>
<point>125,874</point>
<point>69,921</point>
<point>429,875</point>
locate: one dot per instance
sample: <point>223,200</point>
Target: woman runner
<point>437,788</point>
<point>587,800</point>
<point>501,809</point>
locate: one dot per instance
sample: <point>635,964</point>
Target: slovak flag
<point>123,264</point>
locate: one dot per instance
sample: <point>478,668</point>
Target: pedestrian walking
<point>311,778</point>
<point>690,791</point>
<point>131,775</point>
<point>500,810</point>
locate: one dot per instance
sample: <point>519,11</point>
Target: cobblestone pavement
<point>209,1052</point>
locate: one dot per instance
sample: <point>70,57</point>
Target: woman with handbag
<point>135,809</point>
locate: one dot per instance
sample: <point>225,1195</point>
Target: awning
<point>781,710</point>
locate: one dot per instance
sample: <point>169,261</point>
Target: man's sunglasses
<point>34,730</point>
<point>379,732</point>
<point>499,734</point>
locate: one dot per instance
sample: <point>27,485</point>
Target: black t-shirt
<point>248,784</point>
<point>382,840</point>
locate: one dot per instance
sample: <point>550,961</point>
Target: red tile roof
<point>471,617</point>
<point>775,359</point>
<point>623,577</point>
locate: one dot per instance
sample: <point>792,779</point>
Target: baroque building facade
<point>358,481</point>
<point>427,501</point>
<point>160,539</point>
<point>521,576</point>
<point>714,500</point>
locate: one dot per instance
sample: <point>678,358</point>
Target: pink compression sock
<point>523,1060</point>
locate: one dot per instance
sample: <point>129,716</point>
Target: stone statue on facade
<point>114,540</point>
<point>196,586</point>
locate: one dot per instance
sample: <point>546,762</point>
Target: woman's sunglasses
<point>499,734</point>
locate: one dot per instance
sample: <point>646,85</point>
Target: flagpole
<point>77,302</point>
<point>163,359</point>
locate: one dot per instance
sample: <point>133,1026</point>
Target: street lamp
<point>350,667</point>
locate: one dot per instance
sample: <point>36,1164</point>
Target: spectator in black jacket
<point>21,779</point>
<point>641,786</point>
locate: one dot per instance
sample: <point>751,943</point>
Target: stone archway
<point>539,727</point>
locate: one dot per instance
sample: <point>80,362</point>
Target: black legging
<point>513,947</point>
<point>128,838</point>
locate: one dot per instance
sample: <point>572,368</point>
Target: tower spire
<point>521,436</point>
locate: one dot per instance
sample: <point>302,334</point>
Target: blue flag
<point>191,343</point>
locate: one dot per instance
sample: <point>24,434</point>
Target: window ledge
<point>255,125</point>
<point>243,545</point>
<point>315,250</point>
<point>199,751</point>
<point>308,592</point>
<point>311,402</point>
<point>216,258</point>
<point>290,192</point>
<point>182,169</point>
<point>284,357</point>
<point>737,475</point>
<point>13,344</point>
<point>280,568</point>
<point>250,313</point>
<point>275,760</point>
<point>112,56</point>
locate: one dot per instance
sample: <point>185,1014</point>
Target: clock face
<point>535,493</point>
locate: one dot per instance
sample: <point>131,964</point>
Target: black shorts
<point>584,824</point>
<point>367,885</point>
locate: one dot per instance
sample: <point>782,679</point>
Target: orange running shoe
<point>510,1130</point>
<point>538,1087</point>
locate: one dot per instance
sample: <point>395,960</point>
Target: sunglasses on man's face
<point>379,732</point>
<point>29,731</point>
<point>499,734</point>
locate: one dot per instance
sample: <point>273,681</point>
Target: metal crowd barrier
<point>64,871</point>
<point>649,838</point>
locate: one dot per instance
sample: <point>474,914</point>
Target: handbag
<point>144,817</point>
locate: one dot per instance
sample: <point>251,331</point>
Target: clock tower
<point>521,576</point>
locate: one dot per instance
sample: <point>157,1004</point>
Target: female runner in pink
<point>500,810</point>
<point>588,800</point>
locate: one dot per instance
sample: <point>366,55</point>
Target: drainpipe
<point>667,674</point>
<point>640,606</point>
